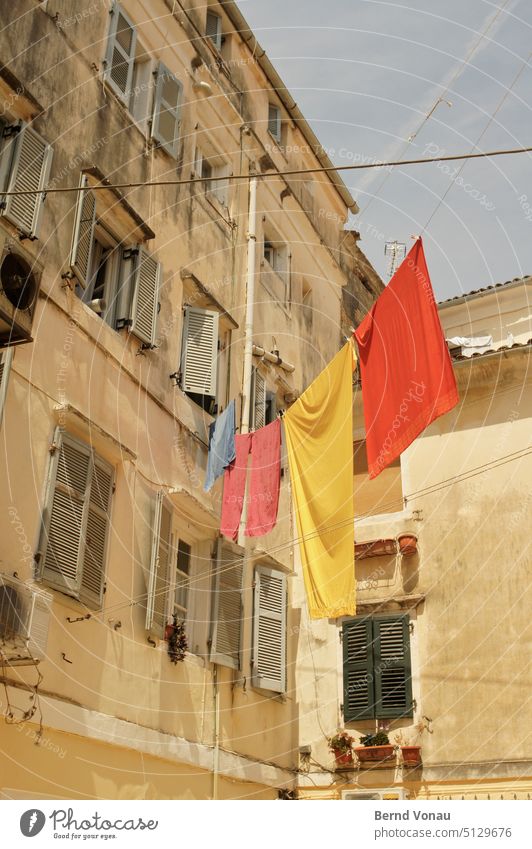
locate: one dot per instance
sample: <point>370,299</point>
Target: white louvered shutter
<point>96,533</point>
<point>144,305</point>
<point>165,124</point>
<point>30,167</point>
<point>119,62</point>
<point>63,522</point>
<point>5,366</point>
<point>274,121</point>
<point>200,350</point>
<point>160,569</point>
<point>213,29</point>
<point>83,237</point>
<point>227,609</point>
<point>259,401</point>
<point>269,630</point>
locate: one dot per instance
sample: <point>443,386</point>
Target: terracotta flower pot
<point>407,544</point>
<point>168,631</point>
<point>343,758</point>
<point>375,754</point>
<point>411,755</point>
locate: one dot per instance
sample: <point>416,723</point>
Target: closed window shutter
<point>5,366</point>
<point>96,533</point>
<point>145,297</point>
<point>30,168</point>
<point>160,569</point>
<point>269,630</point>
<point>119,62</point>
<point>258,412</point>
<point>393,678</point>
<point>274,121</point>
<point>83,238</point>
<point>63,526</point>
<point>200,351</point>
<point>213,30</point>
<point>165,124</point>
<point>357,639</point>
<point>227,609</point>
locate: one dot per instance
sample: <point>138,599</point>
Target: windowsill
<point>216,210</point>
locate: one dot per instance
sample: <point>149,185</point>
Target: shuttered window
<point>227,608</point>
<point>83,237</point>
<point>258,400</point>
<point>5,366</point>
<point>269,630</point>
<point>160,569</point>
<point>213,29</point>
<point>145,297</point>
<point>377,667</point>
<point>274,121</point>
<point>165,124</point>
<point>199,351</point>
<point>119,62</point>
<point>76,521</point>
<point>30,160</point>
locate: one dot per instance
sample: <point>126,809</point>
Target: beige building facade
<point>127,306</point>
<point>439,654</point>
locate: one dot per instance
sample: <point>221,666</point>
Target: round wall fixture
<point>17,281</point>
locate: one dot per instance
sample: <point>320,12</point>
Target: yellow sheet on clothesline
<point>319,439</point>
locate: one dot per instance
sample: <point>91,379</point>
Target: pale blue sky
<point>365,72</point>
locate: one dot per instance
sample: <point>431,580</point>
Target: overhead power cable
<point>441,99</point>
<point>290,173</point>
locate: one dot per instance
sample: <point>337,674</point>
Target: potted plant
<point>176,638</point>
<point>410,752</point>
<point>342,747</point>
<point>376,748</point>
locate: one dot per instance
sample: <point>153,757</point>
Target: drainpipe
<point>216,751</point>
<point>250,304</point>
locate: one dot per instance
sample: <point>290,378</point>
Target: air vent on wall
<point>19,287</point>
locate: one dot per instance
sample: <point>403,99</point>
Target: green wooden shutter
<point>64,517</point>
<point>145,298</point>
<point>120,59</point>
<point>30,167</point>
<point>165,123</point>
<point>96,534</point>
<point>357,639</point>
<point>269,630</point>
<point>200,351</point>
<point>393,677</point>
<point>160,569</point>
<point>227,609</point>
<point>83,237</point>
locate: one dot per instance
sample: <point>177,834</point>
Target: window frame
<point>278,134</point>
<point>217,38</point>
<point>371,664</point>
<point>115,12</point>
<point>159,103</point>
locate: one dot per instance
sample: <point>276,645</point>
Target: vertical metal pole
<point>250,305</point>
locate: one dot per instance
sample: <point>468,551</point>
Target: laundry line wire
<point>289,173</point>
